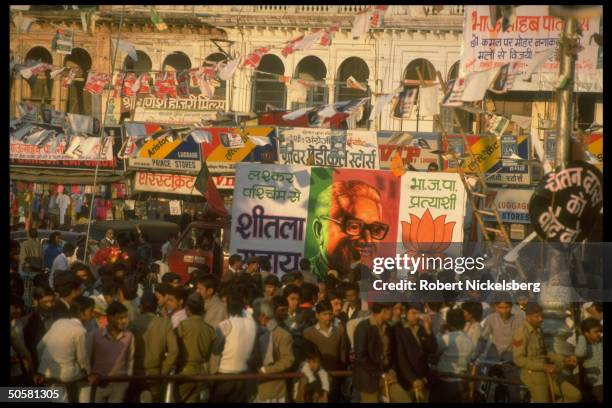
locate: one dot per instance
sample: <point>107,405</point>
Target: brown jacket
<point>283,359</point>
<point>156,347</point>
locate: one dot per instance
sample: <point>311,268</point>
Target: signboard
<point>176,183</point>
<point>414,148</point>
<point>567,203</point>
<point>164,153</point>
<point>532,31</point>
<point>55,150</point>
<point>496,156</point>
<point>173,111</point>
<point>512,205</point>
<point>286,213</point>
<point>229,146</point>
<point>592,144</point>
<point>326,147</point>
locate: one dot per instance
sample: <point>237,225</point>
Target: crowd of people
<point>77,325</point>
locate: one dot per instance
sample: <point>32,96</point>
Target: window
<point>41,86</point>
<point>78,101</point>
<point>142,65</point>
<point>220,91</point>
<point>311,69</point>
<point>177,61</point>
<point>268,91</point>
<point>358,69</point>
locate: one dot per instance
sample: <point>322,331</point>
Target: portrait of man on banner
<point>405,103</point>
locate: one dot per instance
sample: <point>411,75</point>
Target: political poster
<point>228,146</point>
<point>486,45</point>
<point>594,143</point>
<point>152,146</point>
<point>502,159</point>
<point>414,148</point>
<point>176,183</point>
<point>286,213</point>
<point>326,147</point>
<point>512,205</point>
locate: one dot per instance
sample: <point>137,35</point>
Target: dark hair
<point>304,264</point>
<point>351,286</point>
<point>264,264</point>
<point>115,308</point>
<point>79,266</point>
<point>413,305</point>
<point>170,277</point>
<point>588,324</point>
<point>68,248</point>
<point>298,276</point>
<point>311,352</point>
<point>195,304</point>
<point>179,293</point>
<point>503,298</point>
<point>235,302</point>
<point>332,294</point>
<point>455,319</point>
<point>209,281</point>
<point>163,288</point>
<point>473,308</point>
<point>309,292</point>
<point>272,280</point>
<point>80,304</point>
<point>287,278</point>
<point>54,234</point>
<point>597,306</point>
<point>378,307</point>
<point>290,289</point>
<point>129,287</point>
<point>279,301</point>
<point>435,306</point>
<point>323,306</point>
<point>33,233</point>
<point>39,292</point>
<point>356,255</point>
<point>233,259</point>
<point>65,283</point>
<point>109,289</point>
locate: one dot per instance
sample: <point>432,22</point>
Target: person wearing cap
<point>195,338</point>
<point>156,348</point>
<point>538,366</point>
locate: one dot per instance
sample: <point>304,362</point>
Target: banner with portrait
<point>326,215</point>
<point>327,147</point>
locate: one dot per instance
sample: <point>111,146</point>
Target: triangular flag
<point>477,83</point>
<point>327,112</point>
<point>354,84</point>
<point>381,102</point>
<point>429,104</point>
<point>201,136</point>
<point>227,69</point>
<point>126,47</point>
<point>157,20</point>
<point>260,140</point>
<point>361,24</point>
<point>536,62</point>
<point>56,72</point>
<point>397,165</point>
<point>206,186</point>
<point>308,40</point>
<point>253,59</point>
<point>297,113</point>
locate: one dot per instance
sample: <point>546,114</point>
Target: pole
<point>565,111</point>
<point>102,122</point>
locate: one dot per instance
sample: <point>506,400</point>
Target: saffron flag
<point>397,165</point>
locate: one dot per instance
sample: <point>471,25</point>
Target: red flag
<point>96,82</point>
<point>252,60</point>
<point>290,46</point>
<point>206,186</point>
<point>376,18</point>
<point>117,85</point>
<point>183,83</point>
<point>165,84</point>
<point>128,84</point>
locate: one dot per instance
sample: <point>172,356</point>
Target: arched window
<point>268,91</point>
<point>41,87</point>
<point>428,73</point>
<point>78,101</point>
<point>358,69</point>
<point>311,68</point>
<point>143,64</point>
<point>177,61</point>
<point>220,91</point>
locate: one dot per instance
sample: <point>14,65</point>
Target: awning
<point>64,176</point>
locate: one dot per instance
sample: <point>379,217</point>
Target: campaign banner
<point>591,143</point>
<point>512,205</point>
<point>175,111</point>
<point>500,158</point>
<point>327,147</point>
<point>414,148</point>
<point>286,213</point>
<point>44,145</point>
<point>533,30</point>
<point>595,148</point>
<point>176,183</point>
<point>227,147</point>
<point>162,153</point>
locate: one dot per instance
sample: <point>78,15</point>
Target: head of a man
<point>161,293</point>
<point>351,293</point>
<point>591,329</point>
<point>292,294</point>
<point>397,311</point>
<point>81,271</point>
<point>263,311</point>
<point>82,308</point>
<point>472,311</point>
<point>44,299</point>
<point>252,265</point>
<point>281,308</point>
<point>533,315</point>
<point>109,234</point>
<point>324,313</point>
<point>207,286</point>
<point>455,320</point>
<point>69,249</point>
<point>413,314</point>
<point>173,238</point>
<point>503,308</point>
<point>381,312</point>
<point>354,222</point>
<point>271,285</point>
<point>54,238</point>
<point>336,302</point>
<point>176,299</point>
<point>117,315</point>
<point>235,261</point>
<point>596,310</point>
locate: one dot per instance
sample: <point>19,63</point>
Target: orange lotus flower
<point>426,235</point>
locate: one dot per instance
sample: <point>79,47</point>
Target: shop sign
<point>414,148</point>
<point>176,183</point>
<point>512,205</point>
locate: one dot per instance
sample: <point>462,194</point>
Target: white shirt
<point>63,351</point>
<point>165,248</point>
<point>177,317</point>
<point>60,263</point>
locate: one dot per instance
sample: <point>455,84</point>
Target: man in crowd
<point>156,348</point>
<point>161,294</point>
<point>109,239</point>
<point>52,249</point>
<point>31,247</point>
<point>62,351</point>
<point>171,243</point>
<point>61,262</point>
<point>195,339</point>
<point>234,267</point>
<point>292,294</point>
<point>175,305</point>
<point>306,272</point>
<point>413,345</point>
<point>234,342</point>
<point>590,350</point>
<point>271,286</point>
<point>472,313</point>
<point>275,351</point>
<point>538,366</point>
<point>67,288</point>
<point>112,352</point>
<point>40,320</point>
<point>354,307</point>
<point>215,310</point>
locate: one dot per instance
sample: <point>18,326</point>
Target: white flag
<point>429,104</point>
<point>381,102</point>
<point>308,41</point>
<point>477,83</point>
<point>206,88</point>
<point>201,136</point>
<point>296,113</point>
<point>260,140</point>
<point>361,24</point>
<point>327,112</point>
<point>354,84</point>
<point>297,92</point>
<point>523,122</point>
<point>73,149</point>
<point>126,47</point>
<point>80,123</point>
<point>226,70</point>
<point>56,72</point>
<point>538,59</point>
